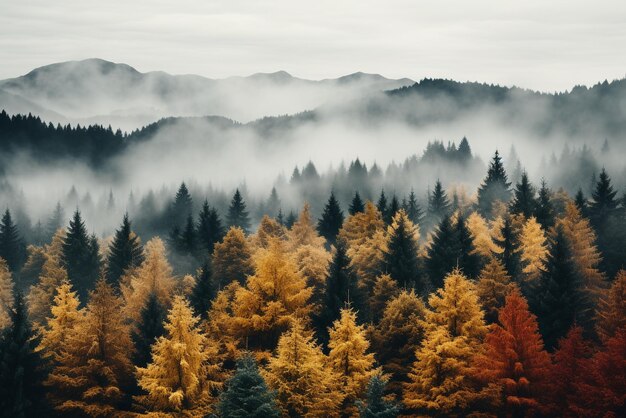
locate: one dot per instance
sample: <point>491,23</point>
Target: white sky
<point>539,44</point>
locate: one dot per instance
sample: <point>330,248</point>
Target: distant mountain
<point>103,92</point>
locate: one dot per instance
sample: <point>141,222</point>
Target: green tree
<point>331,221</point>
<point>204,291</point>
<point>209,230</point>
<point>400,256</point>
<point>545,210</point>
<point>125,252</point>
<point>148,329</point>
<point>494,187</point>
<point>238,214</point>
<point>442,253</point>
<point>357,205</point>
<point>375,404</point>
<point>524,200</point>
<point>413,209</point>
<point>11,245</point>
<point>438,206</point>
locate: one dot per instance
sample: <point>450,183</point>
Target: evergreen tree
<point>467,259</point>
<point>22,393</point>
<point>394,206</point>
<point>273,204</point>
<point>125,252</point>
<point>400,256</point>
<point>232,258</point>
<point>357,205</point>
<point>442,253</point>
<point>603,203</point>
<point>181,207</point>
<point>237,213</point>
<point>187,243</point>
<point>291,219</point>
<point>581,202</point>
<point>510,252</point>
<point>438,206</point>
<point>545,210</point>
<point>80,257</point>
<point>331,221</point>
<point>524,201</point>
<point>375,404</point>
<point>209,229</point>
<point>494,187</point>
<point>381,205</point>
<point>149,328</point>
<point>413,209</point>
<point>203,292</point>
<point>55,222</point>
<point>247,394</point>
<point>11,245</point>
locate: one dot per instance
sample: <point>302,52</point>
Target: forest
<point>352,300</point>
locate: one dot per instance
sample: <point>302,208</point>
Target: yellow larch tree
<point>221,325</point>
<point>611,314</point>
<point>350,360</point>
<point>65,317</point>
<point>312,263</point>
<point>305,385</point>
<point>182,377</point>
<point>232,258</point>
<point>533,249</point>
<point>455,327</point>
<point>53,274</point>
<point>385,289</point>
<point>303,231</point>
<point>268,228</point>
<point>482,236</point>
<point>585,253</point>
<point>6,294</point>
<point>492,287</point>
<point>153,276</point>
<point>272,298</point>
<point>94,370</point>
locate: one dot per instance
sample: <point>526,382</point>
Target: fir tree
<point>524,201</point>
<point>181,207</point>
<point>375,404</point>
<point>148,330</point>
<point>467,258</point>
<point>394,206</point>
<point>203,292</point>
<point>438,206</point>
<point>581,202</point>
<point>442,253</point>
<point>545,210</point>
<point>510,252</point>
<point>237,213</point>
<point>80,257</point>
<point>381,205</point>
<point>125,252</point>
<point>357,205</point>
<point>400,256</point>
<point>187,243</point>
<point>273,204</point>
<point>247,394</point>
<point>291,219</point>
<point>413,209</point>
<point>331,221</point>
<point>11,246</point>
<point>209,229</point>
<point>55,221</point>
<point>603,203</point>
<point>22,393</point>
<point>494,187</point>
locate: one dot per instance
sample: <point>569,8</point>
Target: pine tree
<point>398,335</point>
<point>304,385</point>
<point>180,378</point>
<point>400,256</point>
<point>375,404</point>
<point>581,202</point>
<point>237,213</point>
<point>331,221</point>
<point>545,210</point>
<point>514,361</point>
<point>209,229</point>
<point>611,312</point>
<point>467,258</point>
<point>493,286</point>
<point>510,251</point>
<point>558,298</point>
<point>533,250</point>
<point>413,209</point>
<point>524,201</point>
<point>203,292</point>
<point>125,252</point>
<point>454,330</point>
<point>603,203</point>
<point>357,205</point>
<point>22,393</point>
<point>55,222</point>
<point>438,206</point>
<point>442,253</point>
<point>494,187</point>
<point>349,360</point>
<point>394,206</point>
<point>186,243</point>
<point>148,329</point>
<point>232,258</point>
<point>11,246</point>
<point>181,207</point>
<point>80,258</point>
<point>247,394</point>
<point>381,205</point>
<point>6,294</point>
<point>93,370</point>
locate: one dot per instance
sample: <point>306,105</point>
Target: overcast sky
<point>539,44</point>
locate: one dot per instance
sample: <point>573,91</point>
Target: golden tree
<point>533,249</point>
<point>182,375</point>
<point>94,369</point>
<point>305,385</point>
<point>312,263</point>
<point>385,289</point>
<point>268,228</point>
<point>221,325</point>
<point>6,294</point>
<point>482,236</point>
<point>454,330</point>
<point>611,315</point>
<point>349,359</point>
<point>232,258</point>
<point>493,285</point>
<point>303,231</point>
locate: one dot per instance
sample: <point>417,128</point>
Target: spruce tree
<point>394,206</point>
<point>442,253</point>
<point>603,203</point>
<point>125,252</point>
<point>247,394</point>
<point>237,213</point>
<point>494,187</point>
<point>204,291</point>
<point>400,256</point>
<point>55,221</point>
<point>80,257</point>
<point>375,404</point>
<point>438,206</point>
<point>413,209</point>
<point>524,201</point>
<point>148,329</point>
<point>467,259</point>
<point>357,205</point>
<point>187,243</point>
<point>22,372</point>
<point>331,221</point>
<point>291,219</point>
<point>181,207</point>
<point>509,244</point>
<point>11,246</point>
<point>581,202</point>
<point>272,207</point>
<point>382,204</point>
<point>545,210</point>
<point>209,229</point>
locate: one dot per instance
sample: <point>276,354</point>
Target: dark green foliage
<point>246,394</point>
<point>545,210</point>
<point>581,202</point>
<point>81,257</point>
<point>22,373</point>
<point>524,201</point>
<point>187,242</point>
<point>237,213</point>
<point>442,253</point>
<point>494,187</point>
<point>603,203</point>
<point>203,292</point>
<point>149,328</point>
<point>469,263</point>
<point>510,254</point>
<point>125,252</point>
<point>291,219</point>
<point>210,230</point>
<point>400,258</point>
<point>375,404</point>
<point>280,218</point>
<point>357,205</point>
<point>55,221</point>
<point>11,245</point>
<point>438,206</point>
<point>394,206</point>
<point>382,205</point>
<point>331,221</point>
<point>273,204</point>
<point>558,299</point>
<point>413,209</point>
<point>181,208</point>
